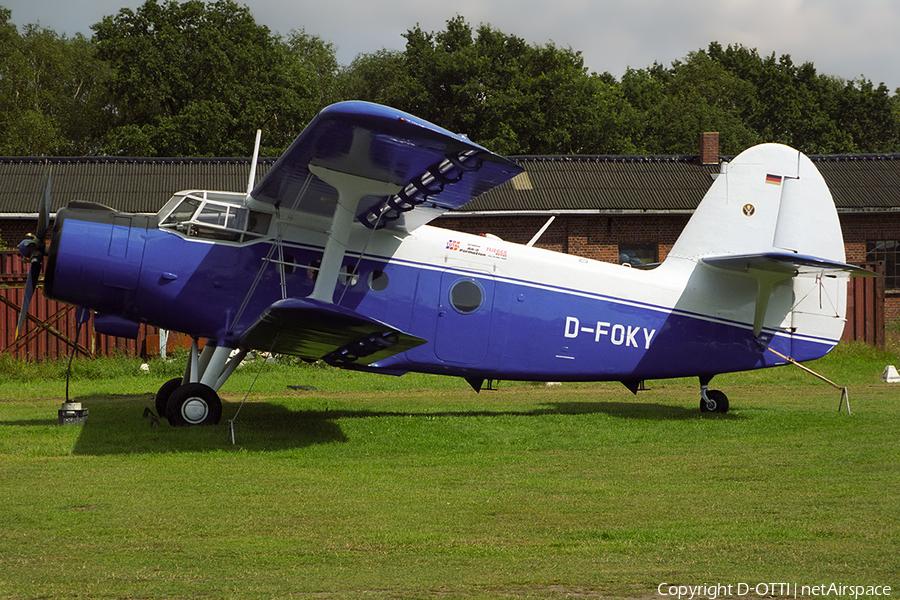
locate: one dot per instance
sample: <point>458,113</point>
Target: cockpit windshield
<point>215,216</point>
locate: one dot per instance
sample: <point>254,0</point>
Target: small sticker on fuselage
<point>474,249</point>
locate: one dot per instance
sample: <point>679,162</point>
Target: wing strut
<point>351,189</point>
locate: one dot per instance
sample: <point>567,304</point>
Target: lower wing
<point>316,330</point>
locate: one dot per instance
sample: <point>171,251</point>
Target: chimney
<point>709,148</point>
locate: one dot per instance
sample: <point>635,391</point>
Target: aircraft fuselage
<point>487,308</point>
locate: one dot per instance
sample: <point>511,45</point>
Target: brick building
<point>609,208</point>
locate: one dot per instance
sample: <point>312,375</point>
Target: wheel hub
<point>194,410</point>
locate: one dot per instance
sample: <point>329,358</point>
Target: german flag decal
<point>774,179</point>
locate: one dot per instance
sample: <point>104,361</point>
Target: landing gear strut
<point>194,399</point>
<point>712,400</point>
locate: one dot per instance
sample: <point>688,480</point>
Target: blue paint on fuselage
<point>522,331</point>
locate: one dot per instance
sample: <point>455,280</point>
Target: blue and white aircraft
<point>329,257</point>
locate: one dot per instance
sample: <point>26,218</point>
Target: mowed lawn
<point>411,487</point>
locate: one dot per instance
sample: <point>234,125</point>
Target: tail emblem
<point>749,209</point>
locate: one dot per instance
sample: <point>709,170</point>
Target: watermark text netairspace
<point>771,590</point>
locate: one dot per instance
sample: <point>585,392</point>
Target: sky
<point>847,39</point>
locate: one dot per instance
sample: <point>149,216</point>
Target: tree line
<point>197,79</point>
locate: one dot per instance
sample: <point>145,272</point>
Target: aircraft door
<point>464,317</point>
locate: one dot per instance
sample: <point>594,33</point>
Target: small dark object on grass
<point>301,387</point>
<point>148,414</point>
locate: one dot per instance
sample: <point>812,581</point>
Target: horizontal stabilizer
<point>783,262</point>
<point>770,268</point>
<point>317,330</point>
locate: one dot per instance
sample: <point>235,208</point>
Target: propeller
<point>33,248</point>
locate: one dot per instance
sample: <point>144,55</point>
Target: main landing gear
<point>712,400</point>
<point>194,399</point>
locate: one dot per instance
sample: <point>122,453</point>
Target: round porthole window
<point>378,281</point>
<point>466,296</point>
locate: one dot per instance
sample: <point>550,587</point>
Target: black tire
<point>193,404</point>
<point>720,400</point>
<point>162,396</point>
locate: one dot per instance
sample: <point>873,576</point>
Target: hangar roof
<point>605,184</point>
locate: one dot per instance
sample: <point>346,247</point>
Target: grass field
<point>411,487</point>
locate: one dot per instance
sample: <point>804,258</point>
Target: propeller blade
<point>44,217</point>
<point>33,248</point>
<point>34,273</point>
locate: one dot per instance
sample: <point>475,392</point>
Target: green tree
<point>52,92</point>
<point>786,104</point>
<point>195,79</point>
<point>316,62</point>
<point>867,115</point>
<point>379,77</point>
<point>502,92</point>
<point>692,97</point>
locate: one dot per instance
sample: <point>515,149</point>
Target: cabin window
<point>378,281</point>
<point>889,252</point>
<point>312,271</point>
<point>349,276</point>
<point>289,265</point>
<point>214,216</point>
<point>466,296</point>
<point>639,255</point>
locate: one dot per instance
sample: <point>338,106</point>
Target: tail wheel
<point>714,401</point>
<point>193,404</point>
<point>162,396</point>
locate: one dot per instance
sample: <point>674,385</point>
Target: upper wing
<point>436,169</point>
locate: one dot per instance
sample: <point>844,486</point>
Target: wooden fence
<point>865,307</point>
<point>50,330</point>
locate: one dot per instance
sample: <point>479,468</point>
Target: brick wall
<point>595,237</point>
<point>13,231</point>
<point>857,229</point>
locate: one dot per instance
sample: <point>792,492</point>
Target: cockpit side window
<point>183,212</point>
<point>201,217</point>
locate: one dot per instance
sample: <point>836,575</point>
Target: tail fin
<point>769,199</point>
<point>770,216</point>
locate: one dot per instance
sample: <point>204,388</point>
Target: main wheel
<point>162,396</point>
<point>193,404</point>
<point>719,402</point>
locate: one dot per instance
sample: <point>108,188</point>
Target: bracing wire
<point>232,420</point>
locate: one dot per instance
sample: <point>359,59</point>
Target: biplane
<point>330,257</point>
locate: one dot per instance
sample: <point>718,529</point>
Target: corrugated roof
<point>862,181</point>
<point>127,184</point>
<point>673,183</point>
<point>602,183</point>
<point>550,183</point>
